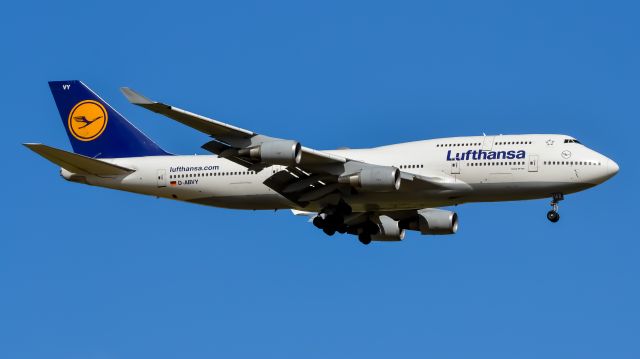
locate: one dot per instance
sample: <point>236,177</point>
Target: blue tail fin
<point>94,128</point>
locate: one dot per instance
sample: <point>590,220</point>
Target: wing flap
<point>78,163</point>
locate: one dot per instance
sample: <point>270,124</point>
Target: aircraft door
<point>455,167</point>
<point>533,163</point>
<point>487,144</point>
<point>162,178</point>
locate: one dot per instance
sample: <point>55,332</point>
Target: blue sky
<point>91,273</point>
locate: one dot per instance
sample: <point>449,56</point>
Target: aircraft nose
<point>613,167</point>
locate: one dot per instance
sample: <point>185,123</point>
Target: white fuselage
<point>495,168</point>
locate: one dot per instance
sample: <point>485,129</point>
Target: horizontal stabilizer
<point>76,163</point>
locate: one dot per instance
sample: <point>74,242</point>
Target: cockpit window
<point>571,140</point>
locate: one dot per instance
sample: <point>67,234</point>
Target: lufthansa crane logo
<point>87,120</point>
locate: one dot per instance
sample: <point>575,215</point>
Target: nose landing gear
<point>553,214</point>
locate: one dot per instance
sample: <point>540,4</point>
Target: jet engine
<point>283,152</point>
<point>374,179</point>
<point>433,221</point>
<point>389,230</point>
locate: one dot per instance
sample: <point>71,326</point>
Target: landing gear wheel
<point>318,222</point>
<point>364,238</point>
<point>329,231</point>
<point>553,216</point>
<point>334,220</point>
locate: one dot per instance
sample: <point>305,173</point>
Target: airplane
<point>376,194</point>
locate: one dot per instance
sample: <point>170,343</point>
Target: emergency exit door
<point>533,163</point>
<point>162,178</point>
<point>455,167</point>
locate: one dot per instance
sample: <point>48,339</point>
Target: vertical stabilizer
<point>94,128</point>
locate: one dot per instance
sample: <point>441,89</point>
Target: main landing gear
<point>365,232</point>
<point>332,220</point>
<point>364,238</point>
<point>553,214</point>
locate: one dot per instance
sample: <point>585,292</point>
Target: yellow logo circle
<point>87,120</point>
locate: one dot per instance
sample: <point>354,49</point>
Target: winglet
<point>134,97</point>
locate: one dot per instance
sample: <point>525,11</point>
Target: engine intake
<point>433,221</point>
<point>374,179</point>
<point>283,152</point>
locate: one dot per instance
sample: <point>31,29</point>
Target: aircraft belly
<point>482,192</point>
<point>521,190</point>
<point>247,201</point>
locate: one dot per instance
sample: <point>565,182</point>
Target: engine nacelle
<point>389,230</point>
<point>433,221</point>
<point>283,152</point>
<point>374,179</point>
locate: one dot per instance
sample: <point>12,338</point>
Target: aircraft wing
<point>316,175</point>
<point>226,136</point>
<point>203,124</point>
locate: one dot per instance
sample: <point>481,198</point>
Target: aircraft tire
<point>329,231</point>
<point>364,238</point>
<point>319,222</point>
